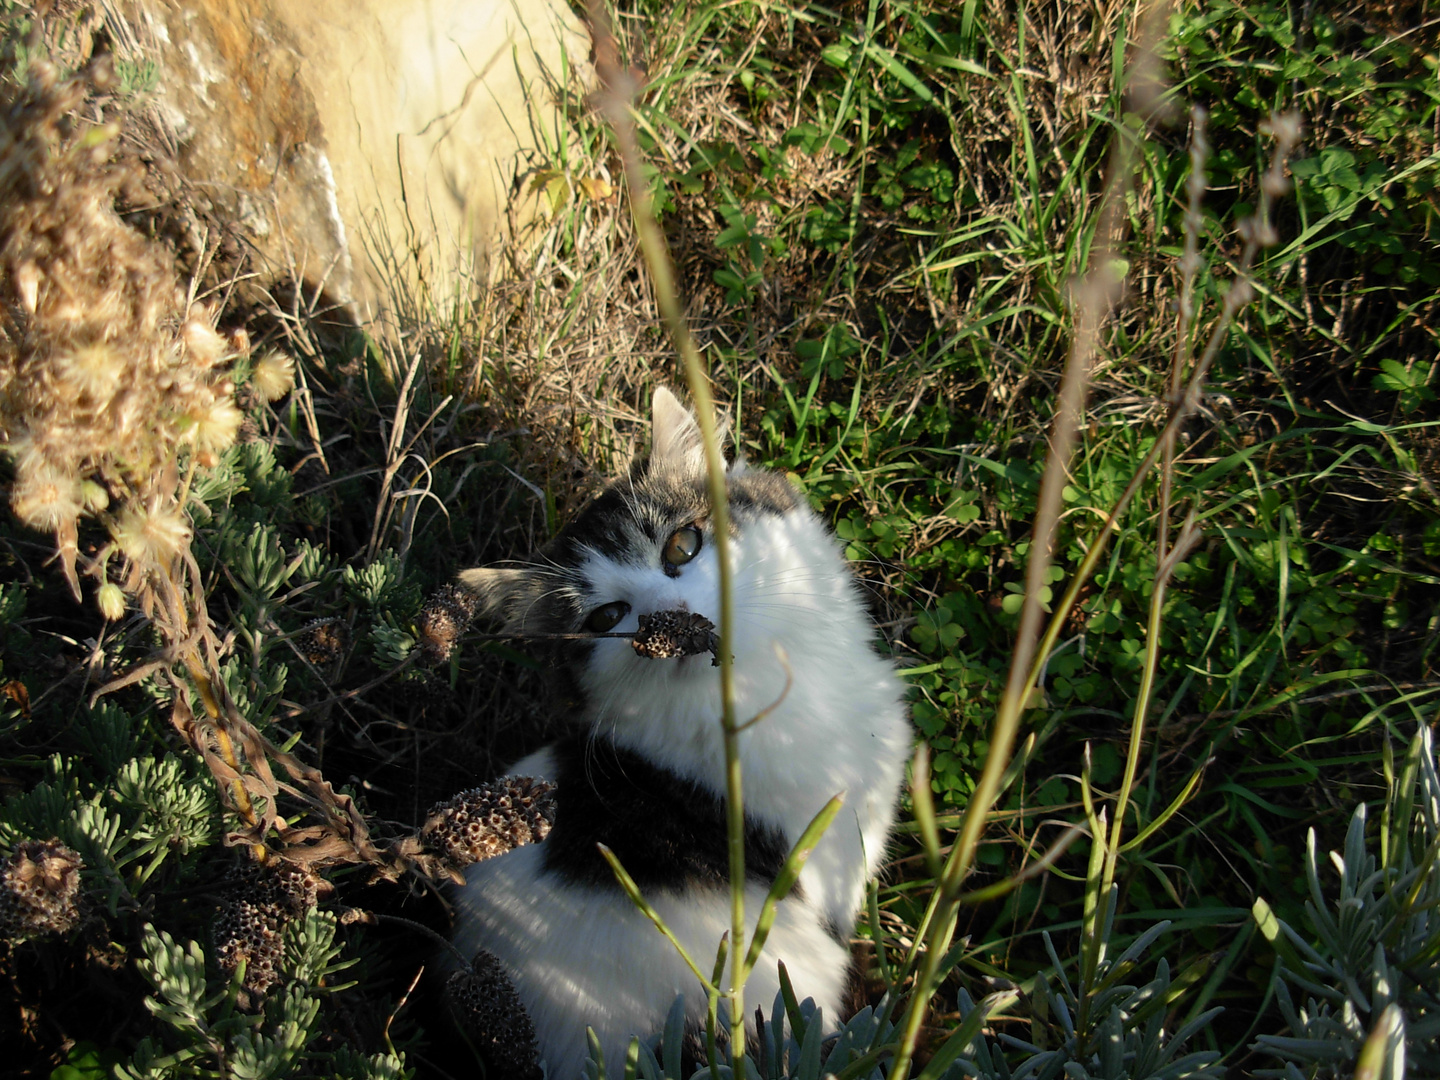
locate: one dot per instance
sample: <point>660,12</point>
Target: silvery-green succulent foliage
<point>1368,982</point>
<point>1124,1039</point>
<point>206,1033</point>
<point>1119,1034</point>
<point>791,1044</point>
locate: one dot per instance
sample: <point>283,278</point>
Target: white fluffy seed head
<point>46,497</point>
<point>110,599</point>
<point>204,345</point>
<point>213,428</point>
<point>155,535</point>
<point>94,370</point>
<point>274,376</point>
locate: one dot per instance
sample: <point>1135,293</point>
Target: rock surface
<point>361,144</point>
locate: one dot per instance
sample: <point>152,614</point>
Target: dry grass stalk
<point>1094,297</point>
<point>619,96</point>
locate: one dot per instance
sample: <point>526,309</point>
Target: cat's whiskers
<point>630,501</point>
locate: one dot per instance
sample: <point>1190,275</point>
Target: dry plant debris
<point>665,635</point>
<point>111,379</point>
<point>39,887</point>
<point>486,821</point>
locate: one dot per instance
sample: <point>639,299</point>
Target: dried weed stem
<point>619,93</point>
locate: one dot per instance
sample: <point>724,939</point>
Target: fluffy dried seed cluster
<point>106,370</point>
<point>490,820</point>
<point>39,887</point>
<point>273,376</point>
<point>445,616</point>
<point>667,634</point>
<point>486,1006</point>
<point>260,900</point>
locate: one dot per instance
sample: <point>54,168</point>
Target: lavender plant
<point>1361,992</point>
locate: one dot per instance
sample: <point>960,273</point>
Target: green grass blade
<point>627,883</point>
<point>786,878</point>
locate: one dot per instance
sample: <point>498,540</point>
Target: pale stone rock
<point>362,144</point>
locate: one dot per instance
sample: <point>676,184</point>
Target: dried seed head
<point>486,1005</point>
<point>94,370</point>
<point>39,885</point>
<point>215,426</point>
<point>46,498</point>
<point>152,536</point>
<point>273,377</point>
<point>110,599</point>
<point>323,641</point>
<point>202,343</point>
<point>248,925</point>
<point>490,820</point>
<point>444,618</point>
<point>666,634</point>
<point>246,931</point>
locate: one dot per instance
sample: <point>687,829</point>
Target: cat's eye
<point>683,545</point>
<point>605,617</point>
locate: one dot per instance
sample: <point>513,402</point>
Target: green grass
<point>877,213</point>
<point>1300,635</point>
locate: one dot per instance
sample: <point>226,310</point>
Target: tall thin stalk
<point>1257,233</point>
<point>1094,297</point>
<point>619,94</point>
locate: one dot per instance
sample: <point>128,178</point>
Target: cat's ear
<point>676,444</point>
<point>502,592</point>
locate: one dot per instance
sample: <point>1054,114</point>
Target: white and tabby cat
<point>644,773</point>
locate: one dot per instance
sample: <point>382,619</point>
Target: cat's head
<point>646,545</point>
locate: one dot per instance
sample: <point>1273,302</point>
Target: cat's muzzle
<point>665,635</point>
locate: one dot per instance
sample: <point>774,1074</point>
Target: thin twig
<point>620,92</point>
<point>1094,298</point>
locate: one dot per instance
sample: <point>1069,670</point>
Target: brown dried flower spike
<point>249,923</point>
<point>492,1014</point>
<point>489,820</point>
<point>667,634</point>
<point>323,641</point>
<point>39,883</point>
<point>445,617</point>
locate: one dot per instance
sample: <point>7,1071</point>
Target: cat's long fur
<point>646,774</point>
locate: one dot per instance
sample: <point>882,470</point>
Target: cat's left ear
<point>505,594</point>
<point>676,443</point>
